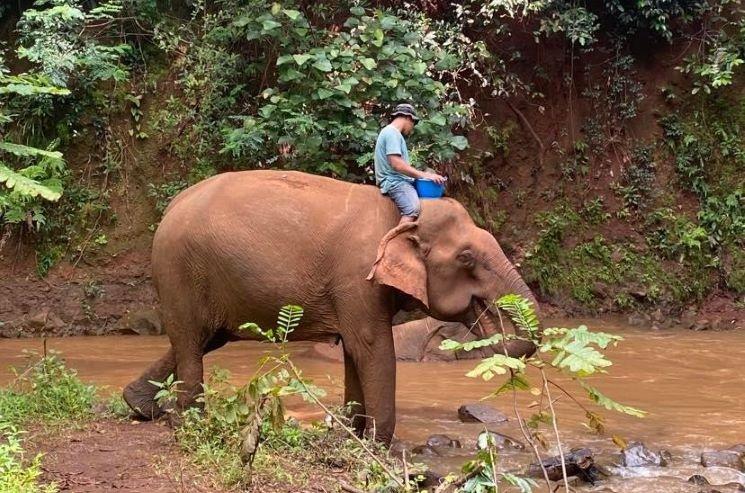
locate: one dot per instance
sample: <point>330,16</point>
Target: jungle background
<point>601,142</point>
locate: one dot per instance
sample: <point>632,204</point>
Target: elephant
<point>419,340</point>
<point>238,246</point>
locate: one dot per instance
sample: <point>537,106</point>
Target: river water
<point>692,384</point>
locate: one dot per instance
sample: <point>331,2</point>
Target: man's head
<point>404,116</point>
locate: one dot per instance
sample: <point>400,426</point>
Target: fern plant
<point>28,173</point>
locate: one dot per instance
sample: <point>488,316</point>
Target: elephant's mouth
<point>485,318</point>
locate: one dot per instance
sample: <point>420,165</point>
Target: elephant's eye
<point>466,259</point>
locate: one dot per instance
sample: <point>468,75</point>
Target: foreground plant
<point>245,430</point>
<point>45,390</point>
<point>16,475</point>
<point>577,353</point>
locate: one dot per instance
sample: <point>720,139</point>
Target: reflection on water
<point>691,383</point>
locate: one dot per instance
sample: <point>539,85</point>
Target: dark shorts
<point>406,199</point>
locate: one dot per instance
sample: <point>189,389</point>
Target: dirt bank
<point>112,455</point>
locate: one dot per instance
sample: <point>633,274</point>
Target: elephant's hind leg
<point>353,396</point>
<point>140,394</point>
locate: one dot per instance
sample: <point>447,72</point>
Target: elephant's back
<point>277,229</point>
<point>231,190</point>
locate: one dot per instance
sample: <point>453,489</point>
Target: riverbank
<point>115,295</point>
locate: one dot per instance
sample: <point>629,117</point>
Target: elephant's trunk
<point>510,282</point>
<point>490,325</point>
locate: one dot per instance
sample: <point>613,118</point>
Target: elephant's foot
<point>140,397</point>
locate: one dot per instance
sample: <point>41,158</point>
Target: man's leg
<point>407,201</point>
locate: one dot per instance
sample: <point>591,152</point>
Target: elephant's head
<point>454,268</point>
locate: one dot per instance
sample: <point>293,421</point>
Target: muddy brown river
<point>692,384</point>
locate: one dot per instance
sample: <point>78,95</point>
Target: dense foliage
<point>133,100</point>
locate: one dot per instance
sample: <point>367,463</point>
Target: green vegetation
<point>576,352</point>
<point>43,391</point>
<point>111,110</point>
<point>244,429</point>
<point>598,274</point>
<point>16,475</point>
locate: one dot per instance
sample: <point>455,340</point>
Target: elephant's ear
<point>400,262</point>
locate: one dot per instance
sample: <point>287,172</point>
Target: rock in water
<point>579,463</point>
<point>636,454</point>
<point>498,440</point>
<point>723,458</point>
<point>480,413</point>
<point>425,450</point>
<point>739,448</point>
<point>442,441</point>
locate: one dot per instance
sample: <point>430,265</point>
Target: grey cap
<point>405,109</point>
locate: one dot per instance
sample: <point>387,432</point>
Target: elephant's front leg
<point>372,352</point>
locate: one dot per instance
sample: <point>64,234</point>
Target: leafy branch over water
<point>577,353</point>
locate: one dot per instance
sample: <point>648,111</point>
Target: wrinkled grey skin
<point>238,246</point>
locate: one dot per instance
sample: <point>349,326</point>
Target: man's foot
<point>407,219</point>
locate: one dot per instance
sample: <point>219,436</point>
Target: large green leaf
<point>583,335</point>
<point>27,186</point>
<point>578,357</point>
<point>27,86</point>
<point>26,151</point>
<point>450,345</point>
<point>495,365</point>
<point>609,403</point>
<point>520,311</point>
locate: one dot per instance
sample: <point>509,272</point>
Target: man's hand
<point>398,164</point>
<point>439,179</point>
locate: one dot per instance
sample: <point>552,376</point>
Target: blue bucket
<point>427,189</point>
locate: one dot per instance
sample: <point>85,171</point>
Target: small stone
<point>425,450</point>
<point>701,324</point>
<point>698,480</point>
<point>636,454</point>
<point>442,441</point>
<point>426,479</point>
<point>498,440</point>
<point>579,462</point>
<point>723,458</point>
<point>480,413</point>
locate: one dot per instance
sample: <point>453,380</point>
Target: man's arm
<point>401,166</point>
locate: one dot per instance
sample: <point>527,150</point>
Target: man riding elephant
<point>237,247</point>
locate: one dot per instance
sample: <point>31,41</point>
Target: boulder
<point>701,324</point>
<point>419,340</point>
<point>723,458</point>
<point>45,320</point>
<point>480,413</point>
<point>688,318</point>
<point>739,448</point>
<point>141,322</point>
<point>636,454</point>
